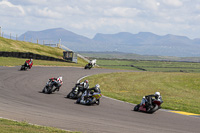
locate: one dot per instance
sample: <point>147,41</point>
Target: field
<point>180,91</point>
<point>8,126</point>
<point>153,66</point>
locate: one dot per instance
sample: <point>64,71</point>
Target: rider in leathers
<point>84,85</point>
<point>58,81</point>
<point>147,100</point>
<point>95,89</point>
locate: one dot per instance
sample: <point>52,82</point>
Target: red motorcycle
<point>149,108</point>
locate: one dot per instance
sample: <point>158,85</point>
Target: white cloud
<point>46,12</point>
<point>88,17</point>
<point>121,11</point>
<point>10,8</point>
<point>175,3</point>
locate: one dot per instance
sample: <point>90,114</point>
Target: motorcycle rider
<point>92,90</point>
<point>29,62</point>
<point>58,81</point>
<point>84,85</point>
<point>147,100</point>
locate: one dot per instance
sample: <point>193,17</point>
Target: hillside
<point>21,46</point>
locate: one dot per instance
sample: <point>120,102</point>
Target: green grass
<point>21,46</point>
<point>154,66</point>
<point>8,126</point>
<point>9,61</point>
<point>180,91</point>
<point>9,45</point>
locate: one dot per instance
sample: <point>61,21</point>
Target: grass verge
<point>9,61</point>
<point>180,91</point>
<point>8,126</point>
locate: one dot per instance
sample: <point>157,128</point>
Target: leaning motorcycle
<point>90,99</point>
<point>149,108</point>
<point>88,66</point>
<point>25,66</point>
<point>50,87</point>
<point>76,92</point>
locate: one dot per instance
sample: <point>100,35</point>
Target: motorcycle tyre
<point>78,100</point>
<point>22,67</point>
<point>136,108</point>
<point>50,90</point>
<point>153,110</point>
<point>98,101</point>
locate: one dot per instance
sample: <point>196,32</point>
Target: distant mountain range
<point>144,43</point>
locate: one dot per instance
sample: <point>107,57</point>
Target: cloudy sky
<point>88,17</point>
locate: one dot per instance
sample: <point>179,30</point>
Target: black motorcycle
<point>25,66</point>
<point>76,92</point>
<point>51,86</point>
<point>88,66</point>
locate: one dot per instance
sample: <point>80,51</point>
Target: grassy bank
<point>21,46</point>
<point>8,126</point>
<point>180,91</point>
<point>9,61</point>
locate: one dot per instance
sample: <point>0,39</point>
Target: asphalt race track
<point>21,99</point>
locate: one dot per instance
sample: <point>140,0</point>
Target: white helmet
<point>59,78</point>
<point>157,94</point>
<point>97,86</point>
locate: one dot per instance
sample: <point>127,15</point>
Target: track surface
<point>20,99</point>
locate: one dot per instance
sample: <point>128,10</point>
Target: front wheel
<point>136,108</point>
<point>78,100</point>
<point>45,90</point>
<point>49,91</point>
<point>98,102</point>
<point>153,109</point>
<point>22,67</point>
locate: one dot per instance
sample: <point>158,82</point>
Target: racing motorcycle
<point>76,92</point>
<point>90,99</point>
<point>51,86</point>
<point>88,66</point>
<point>25,66</point>
<point>149,108</point>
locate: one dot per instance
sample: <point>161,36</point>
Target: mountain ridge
<point>143,43</point>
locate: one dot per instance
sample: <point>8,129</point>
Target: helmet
<point>157,93</point>
<point>97,86</point>
<point>86,81</point>
<point>59,78</point>
<point>31,59</point>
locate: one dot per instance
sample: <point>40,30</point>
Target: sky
<point>88,17</point>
